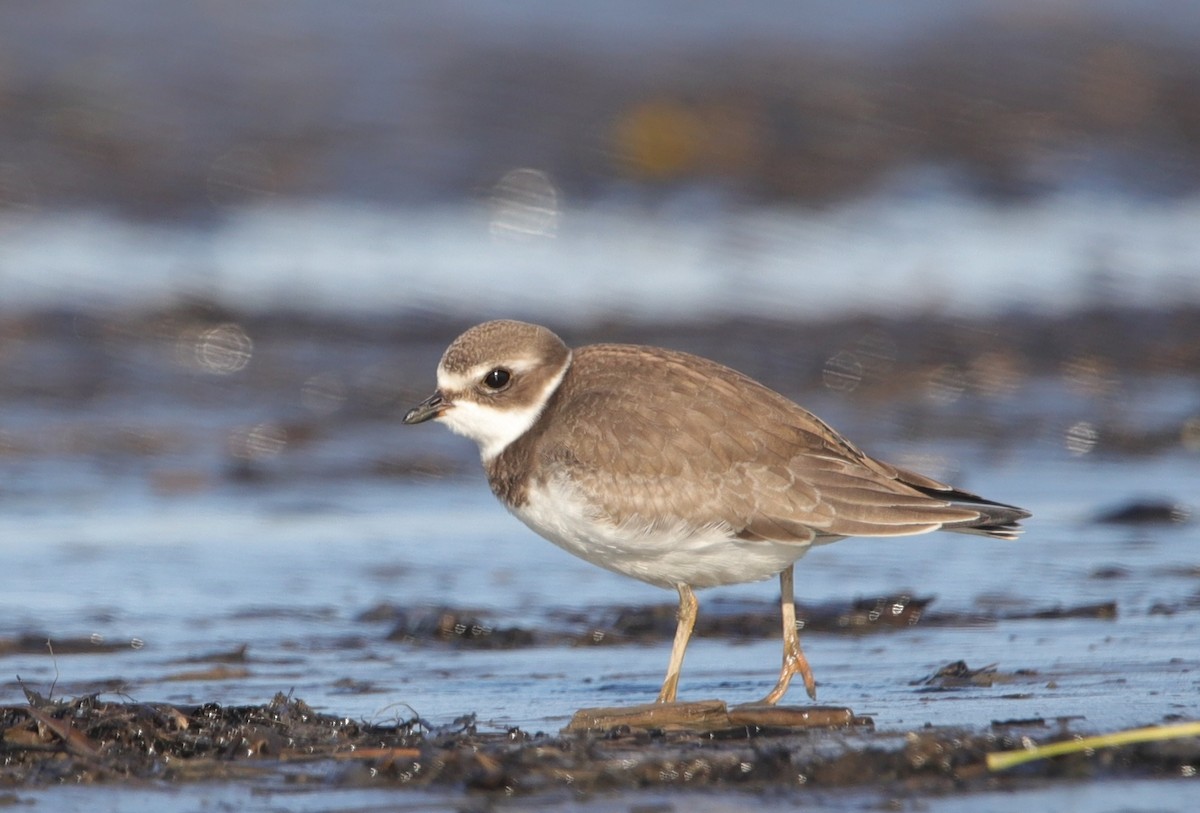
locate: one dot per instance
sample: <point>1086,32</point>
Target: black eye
<point>497,379</point>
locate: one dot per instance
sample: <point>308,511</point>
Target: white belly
<point>662,556</point>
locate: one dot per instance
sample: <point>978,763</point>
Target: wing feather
<point>672,438</point>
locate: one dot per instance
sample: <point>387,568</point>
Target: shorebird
<point>676,470</point>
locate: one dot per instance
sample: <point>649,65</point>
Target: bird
<point>676,470</point>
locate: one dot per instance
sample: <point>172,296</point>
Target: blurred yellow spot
<point>658,140</point>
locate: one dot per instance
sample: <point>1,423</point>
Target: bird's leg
<point>794,662</point>
<point>687,620</point>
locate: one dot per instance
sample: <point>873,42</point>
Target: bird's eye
<point>497,379</point>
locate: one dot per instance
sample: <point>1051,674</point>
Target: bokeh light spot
<point>223,349</point>
<point>843,372</point>
<point>945,384</point>
<point>1081,438</point>
<point>525,204</point>
<point>258,442</point>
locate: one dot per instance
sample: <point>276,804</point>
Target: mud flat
<point>91,741</point>
<point>195,524</point>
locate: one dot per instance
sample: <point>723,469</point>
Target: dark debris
<point>1146,512</point>
<point>729,620</point>
<point>460,627</point>
<point>88,740</point>
<point>958,675</point>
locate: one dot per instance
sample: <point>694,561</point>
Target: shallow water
<point>220,540</point>
<point>285,570</point>
<point>611,262</point>
<point>1098,797</point>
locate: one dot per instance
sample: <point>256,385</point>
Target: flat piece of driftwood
<point>702,715</point>
<point>765,716</point>
<point>710,715</point>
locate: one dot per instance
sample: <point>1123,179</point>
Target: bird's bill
<point>432,407</point>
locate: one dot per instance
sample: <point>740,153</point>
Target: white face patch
<point>491,425</point>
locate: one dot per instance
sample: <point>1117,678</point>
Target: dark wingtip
<point>996,520</point>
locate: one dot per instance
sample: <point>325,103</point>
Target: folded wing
<point>700,444</point>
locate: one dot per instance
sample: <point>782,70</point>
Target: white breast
<point>662,554</point>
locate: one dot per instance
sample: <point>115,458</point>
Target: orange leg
<point>688,607</point>
<point>794,662</point>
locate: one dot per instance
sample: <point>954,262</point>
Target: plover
<point>677,470</point>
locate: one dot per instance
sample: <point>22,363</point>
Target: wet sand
<point>285,744</point>
<point>193,526</point>
<point>88,740</point>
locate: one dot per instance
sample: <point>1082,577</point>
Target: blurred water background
<point>235,237</point>
<point>630,160</point>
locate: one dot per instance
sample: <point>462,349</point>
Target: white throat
<point>493,426</point>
